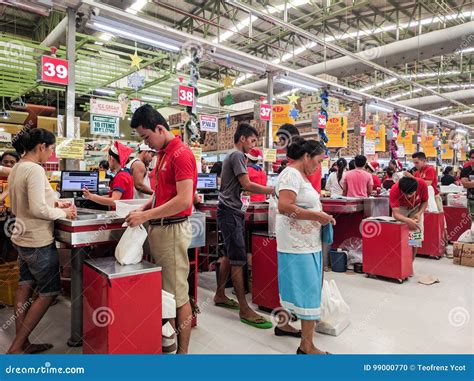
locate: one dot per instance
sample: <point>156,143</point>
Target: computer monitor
<point>76,181</point>
<point>207,182</point>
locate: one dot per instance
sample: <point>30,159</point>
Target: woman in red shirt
<point>377,182</point>
<point>121,186</point>
<point>256,173</point>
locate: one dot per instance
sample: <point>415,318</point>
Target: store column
<point>269,130</point>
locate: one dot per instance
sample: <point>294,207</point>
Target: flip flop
<point>259,322</point>
<point>37,348</point>
<point>229,304</point>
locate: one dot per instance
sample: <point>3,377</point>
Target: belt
<point>168,221</point>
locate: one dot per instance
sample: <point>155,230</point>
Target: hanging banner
<point>407,141</point>
<point>378,137</point>
<point>5,137</point>
<point>427,144</point>
<point>104,125</point>
<point>69,148</point>
<point>401,150</point>
<point>336,131</point>
<point>369,147</point>
<point>101,107</point>
<point>54,70</point>
<point>280,116</point>
<point>447,153</point>
<point>208,123</point>
<point>265,112</point>
<point>269,155</point>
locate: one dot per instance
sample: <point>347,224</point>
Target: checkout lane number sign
<point>105,125</point>
<point>54,70</point>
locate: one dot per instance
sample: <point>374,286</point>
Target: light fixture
<point>461,131</point>
<point>105,91</point>
<point>136,6</point>
<point>120,29</point>
<point>429,121</point>
<point>235,63</point>
<point>295,83</point>
<point>151,99</point>
<point>2,129</point>
<point>379,107</point>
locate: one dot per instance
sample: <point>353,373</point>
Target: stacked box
<point>463,254</point>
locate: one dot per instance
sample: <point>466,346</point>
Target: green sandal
<point>229,304</point>
<point>259,322</point>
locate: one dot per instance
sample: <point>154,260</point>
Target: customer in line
<point>256,173</point>
<point>231,222</point>
<point>333,184</point>
<point>170,231</point>
<point>409,200</point>
<point>7,252</point>
<point>35,206</point>
<point>358,182</point>
<point>448,176</point>
<point>467,181</point>
<point>428,174</point>
<point>298,234</point>
<point>388,181</point>
<point>217,169</point>
<point>352,165</point>
<point>121,186</point>
<point>139,169</point>
<point>372,169</point>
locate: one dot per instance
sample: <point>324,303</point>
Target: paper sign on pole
<point>379,136</point>
<point>407,142</point>
<point>447,152</point>
<point>69,148</point>
<point>197,151</point>
<point>369,147</point>
<point>427,143</point>
<point>336,131</point>
<point>401,150</point>
<point>269,155</point>
<point>101,107</point>
<point>208,123</point>
<point>105,125</point>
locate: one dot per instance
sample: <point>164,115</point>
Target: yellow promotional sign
<point>269,155</point>
<point>69,148</point>
<point>336,131</point>
<point>407,141</point>
<point>446,152</point>
<point>280,116</point>
<point>379,137</point>
<point>427,144</point>
<point>197,151</point>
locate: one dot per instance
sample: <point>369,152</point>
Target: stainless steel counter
<point>371,206</point>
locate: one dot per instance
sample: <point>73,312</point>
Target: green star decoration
<point>228,100</point>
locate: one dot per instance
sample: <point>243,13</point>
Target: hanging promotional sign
<point>5,137</point>
<point>101,107</point>
<point>105,125</point>
<point>369,147</point>
<point>54,70</point>
<point>336,131</point>
<point>208,123</point>
<point>69,148</point>
<point>281,114</point>
<point>269,155</point>
<point>427,145</point>
<point>378,137</point>
<point>401,150</point>
<point>447,153</point>
<point>407,142</point>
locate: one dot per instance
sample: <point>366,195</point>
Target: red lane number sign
<point>265,111</point>
<point>185,95</point>
<point>54,70</point>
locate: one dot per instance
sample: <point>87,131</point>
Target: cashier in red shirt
<point>256,174</point>
<point>121,186</point>
<point>170,232</point>
<point>428,174</point>
<point>409,200</point>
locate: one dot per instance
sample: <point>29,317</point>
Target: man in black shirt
<point>467,180</point>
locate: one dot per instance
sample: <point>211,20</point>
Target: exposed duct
<point>432,102</point>
<point>463,118</point>
<point>421,47</point>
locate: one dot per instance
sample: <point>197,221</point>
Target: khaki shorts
<point>169,248</point>
<point>410,213</point>
<point>439,203</point>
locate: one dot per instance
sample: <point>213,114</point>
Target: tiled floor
<point>386,318</point>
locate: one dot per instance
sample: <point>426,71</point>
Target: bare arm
<point>287,206</point>
<point>103,200</point>
<point>400,217</point>
<point>139,173</point>
<point>5,171</point>
<point>466,183</point>
<point>369,189</point>
<point>249,186</point>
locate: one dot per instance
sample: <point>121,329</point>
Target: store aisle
<point>386,318</point>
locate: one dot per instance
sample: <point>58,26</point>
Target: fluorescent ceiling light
<point>461,131</point>
<point>125,31</point>
<point>137,6</point>
<point>105,36</point>
<point>468,50</point>
<point>223,59</point>
<point>400,95</point>
<point>105,91</point>
<point>151,99</point>
<point>295,83</point>
<point>2,129</point>
<point>429,121</point>
<point>442,109</point>
<point>380,107</point>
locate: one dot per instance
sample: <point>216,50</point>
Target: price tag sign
<point>185,95</point>
<point>265,111</point>
<point>269,155</point>
<point>54,70</point>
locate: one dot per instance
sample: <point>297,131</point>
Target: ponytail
<point>27,139</point>
<point>341,167</point>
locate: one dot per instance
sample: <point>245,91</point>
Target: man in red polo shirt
<point>170,232</point>
<point>428,174</point>
<point>409,200</point>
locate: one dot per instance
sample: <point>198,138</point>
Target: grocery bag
<point>129,250</point>
<point>432,207</point>
<point>335,312</point>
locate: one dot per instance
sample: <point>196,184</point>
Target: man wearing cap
<point>139,170</point>
<point>256,174</point>
<point>121,186</point>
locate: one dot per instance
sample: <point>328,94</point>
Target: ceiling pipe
<point>432,102</point>
<point>55,36</point>
<point>26,7</point>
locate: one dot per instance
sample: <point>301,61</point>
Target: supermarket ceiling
<point>403,36</point>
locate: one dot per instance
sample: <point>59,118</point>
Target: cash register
<point>207,185</point>
<point>72,184</point>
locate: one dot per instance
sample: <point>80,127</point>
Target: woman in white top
<point>333,184</point>
<point>35,207</point>
<point>298,234</point>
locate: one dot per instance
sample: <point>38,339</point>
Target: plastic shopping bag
<point>129,250</point>
<point>335,312</point>
<point>432,207</point>
<point>272,212</point>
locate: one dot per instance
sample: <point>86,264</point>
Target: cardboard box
<point>467,259</point>
<point>463,254</point>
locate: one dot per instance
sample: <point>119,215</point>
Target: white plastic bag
<point>432,207</point>
<point>272,212</point>
<point>129,250</point>
<point>466,237</point>
<point>335,312</point>
<point>353,246</point>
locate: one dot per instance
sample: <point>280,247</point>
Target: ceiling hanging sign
<point>336,131</point>
<point>124,101</point>
<point>135,104</point>
<point>105,125</point>
<point>69,148</point>
<point>208,123</point>
<point>265,111</point>
<point>5,137</point>
<point>53,70</point>
<point>281,114</point>
<point>185,95</point>
<point>101,107</point>
<point>427,144</point>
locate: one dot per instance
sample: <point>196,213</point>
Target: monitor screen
<point>75,181</point>
<point>207,181</point>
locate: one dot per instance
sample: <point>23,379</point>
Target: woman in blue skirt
<point>298,234</point>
